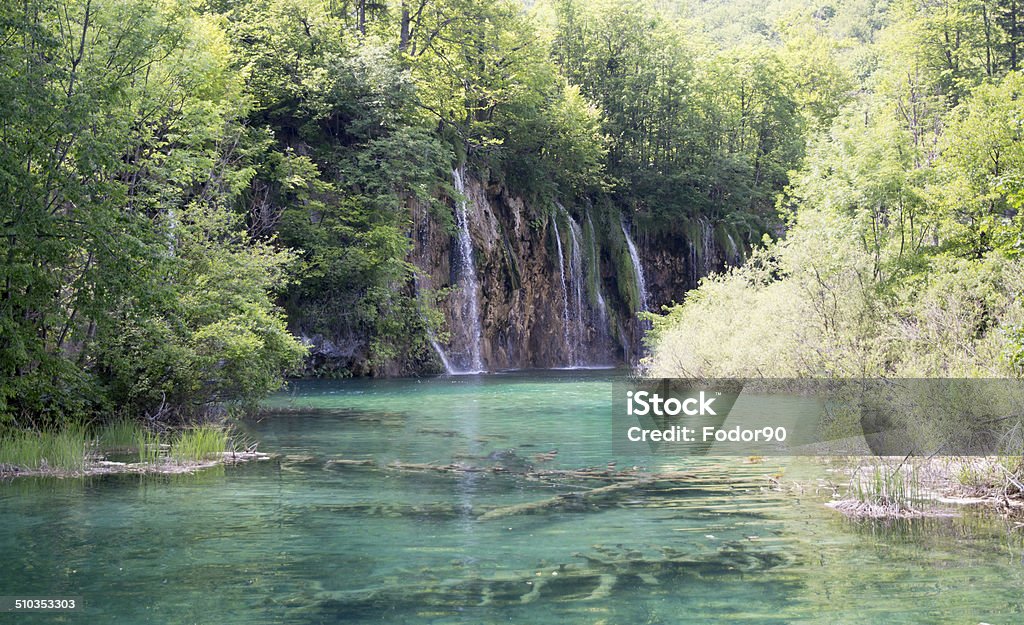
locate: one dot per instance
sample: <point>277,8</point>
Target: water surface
<point>304,540</point>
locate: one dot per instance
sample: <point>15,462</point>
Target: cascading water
<point>638,269</point>
<point>576,279</point>
<point>694,274</point>
<point>708,244</point>
<point>430,333</point>
<point>735,256</point>
<point>575,311</point>
<point>440,353</point>
<point>466,271</point>
<point>633,350</point>
<point>593,273</point>
<point>569,346</point>
<point>602,306</point>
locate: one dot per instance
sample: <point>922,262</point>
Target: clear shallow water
<point>300,540</point>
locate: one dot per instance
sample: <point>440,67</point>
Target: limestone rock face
<point>523,286</point>
<point>533,310</point>
<point>552,288</point>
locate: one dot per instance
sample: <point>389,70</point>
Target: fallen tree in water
<point>573,499</point>
<point>582,489</point>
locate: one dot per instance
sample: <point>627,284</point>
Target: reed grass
<point>897,487</point>
<point>70,449</point>
<point>63,450</point>
<point>147,446</point>
<point>199,443</point>
<point>119,435</point>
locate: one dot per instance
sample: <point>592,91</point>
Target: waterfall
<point>431,337</point>
<point>440,353</point>
<point>708,243</point>
<point>595,271</point>
<point>574,312</point>
<point>569,346</point>
<point>576,280</point>
<point>638,269</point>
<point>694,276</point>
<point>602,307</point>
<point>466,271</point>
<point>735,257</point>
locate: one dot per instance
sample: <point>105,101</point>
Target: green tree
<point>120,119</point>
<point>983,168</point>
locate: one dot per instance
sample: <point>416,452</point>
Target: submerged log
<point>611,485</point>
<point>599,577</point>
<point>348,462</point>
<point>398,465</point>
<point>586,473</point>
<point>564,500</point>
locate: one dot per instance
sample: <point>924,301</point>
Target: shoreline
<point>102,467</point>
<point>909,488</point>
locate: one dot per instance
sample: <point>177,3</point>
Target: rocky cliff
<point>527,285</point>
<point>547,286</point>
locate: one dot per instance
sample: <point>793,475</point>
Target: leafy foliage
<point>903,252</point>
<point>127,281</point>
<point>187,186</point>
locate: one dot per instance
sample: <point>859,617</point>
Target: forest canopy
<point>189,186</point>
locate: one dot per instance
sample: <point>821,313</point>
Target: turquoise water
<point>302,539</point>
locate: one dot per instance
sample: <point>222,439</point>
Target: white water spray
<point>467,276</point>
<point>637,268</point>
<point>569,347</point>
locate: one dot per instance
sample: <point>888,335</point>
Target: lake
<point>305,539</point>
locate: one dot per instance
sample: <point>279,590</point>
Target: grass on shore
<point>897,487</point>
<point>64,450</point>
<point>71,449</point>
<point>199,443</point>
<point>915,487</point>
<point>119,435</point>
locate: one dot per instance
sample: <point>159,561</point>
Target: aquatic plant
<point>199,443</point>
<point>895,489</point>
<point>64,450</point>
<point>118,435</point>
<point>147,444</point>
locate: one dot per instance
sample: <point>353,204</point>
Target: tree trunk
<point>403,37</point>
<point>988,40</point>
<point>1014,35</point>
